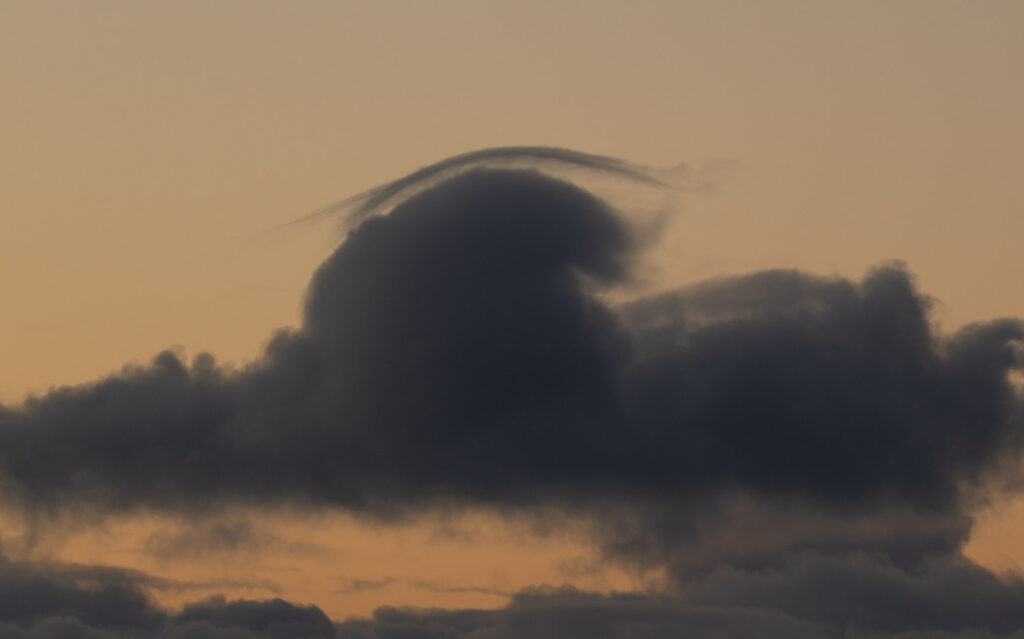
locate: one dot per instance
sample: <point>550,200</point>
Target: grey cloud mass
<point>813,596</point>
<point>800,453</point>
<point>52,600</point>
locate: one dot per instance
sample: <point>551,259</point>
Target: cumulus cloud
<point>457,349</point>
<point>763,438</point>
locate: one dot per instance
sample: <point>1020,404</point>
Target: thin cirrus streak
<point>364,204</point>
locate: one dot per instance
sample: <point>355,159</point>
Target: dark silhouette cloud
<point>945,594</point>
<point>815,597</point>
<point>458,349</point>
<point>273,619</point>
<point>99,598</point>
<point>68,601</point>
<point>567,614</point>
<point>808,595</point>
<point>771,440</point>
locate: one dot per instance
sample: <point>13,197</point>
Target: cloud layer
<point>812,596</point>
<point>798,452</point>
<point>59,601</point>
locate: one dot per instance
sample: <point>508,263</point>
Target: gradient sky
<point>150,151</point>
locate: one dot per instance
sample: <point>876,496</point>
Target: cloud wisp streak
<point>375,200</point>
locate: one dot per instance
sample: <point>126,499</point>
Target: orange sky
<point>148,148</point>
<point>345,566</point>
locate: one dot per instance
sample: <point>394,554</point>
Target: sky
<point>499,320</point>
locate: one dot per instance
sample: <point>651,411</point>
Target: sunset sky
<point>714,341</point>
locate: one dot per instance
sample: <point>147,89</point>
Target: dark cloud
<point>820,435</point>
<point>809,595</point>
<point>573,615</point>
<point>69,601</point>
<point>457,349</point>
<point>567,614</point>
<point>944,594</point>
<point>273,619</point>
<point>751,534</point>
<point>97,597</point>
<point>813,596</point>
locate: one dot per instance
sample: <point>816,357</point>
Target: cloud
<point>40,601</point>
<point>274,618</point>
<point>456,349</point>
<point>951,602</point>
<point>100,598</point>
<point>811,595</point>
<point>573,615</point>
<point>375,200</point>
<point>816,432</point>
<point>434,586</point>
<point>944,594</point>
<point>360,585</point>
<point>203,538</point>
